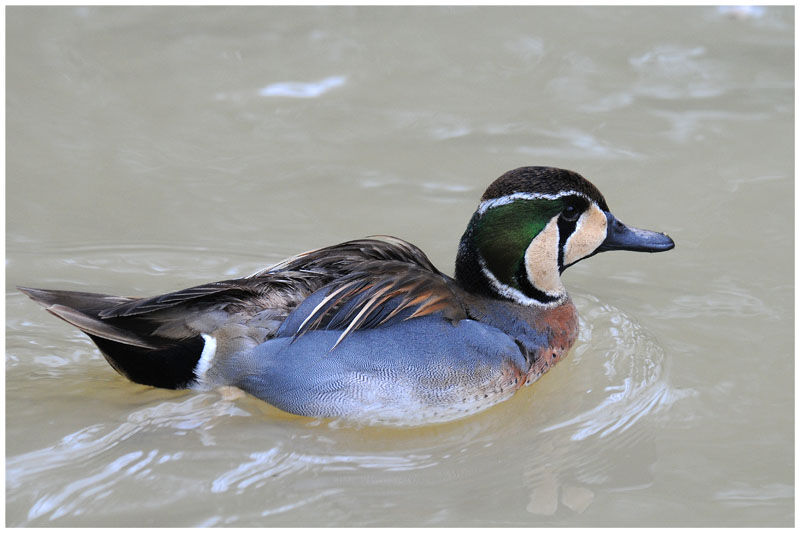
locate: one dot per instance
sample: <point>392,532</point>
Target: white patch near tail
<point>204,363</point>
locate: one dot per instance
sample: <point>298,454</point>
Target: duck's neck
<point>544,335</point>
<point>475,274</point>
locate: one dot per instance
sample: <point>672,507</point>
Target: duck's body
<point>369,329</point>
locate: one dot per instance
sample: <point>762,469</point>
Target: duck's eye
<point>570,213</point>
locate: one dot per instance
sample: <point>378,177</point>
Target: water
<point>150,149</point>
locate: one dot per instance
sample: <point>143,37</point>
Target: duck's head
<point>531,224</point>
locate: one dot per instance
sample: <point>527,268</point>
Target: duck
<point>370,330</point>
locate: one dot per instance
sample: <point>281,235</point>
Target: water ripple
<point>675,72</point>
<point>72,497</point>
<point>276,463</point>
<point>633,364</point>
<point>83,450</point>
<point>725,297</point>
<point>296,89</point>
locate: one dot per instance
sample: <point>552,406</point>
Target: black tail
<point>129,343</point>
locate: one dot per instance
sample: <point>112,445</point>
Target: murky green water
<point>150,149</point>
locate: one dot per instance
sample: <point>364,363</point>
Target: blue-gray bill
<point>621,237</point>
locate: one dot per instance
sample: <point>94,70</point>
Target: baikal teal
<point>369,330</point>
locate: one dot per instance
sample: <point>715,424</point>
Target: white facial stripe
<point>590,232</point>
<point>541,261</point>
<point>510,292</point>
<point>503,200</point>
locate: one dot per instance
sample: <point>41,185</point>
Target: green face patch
<point>504,232</point>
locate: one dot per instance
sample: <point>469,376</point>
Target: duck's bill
<point>621,237</point>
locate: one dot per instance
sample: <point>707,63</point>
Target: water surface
<point>151,149</point>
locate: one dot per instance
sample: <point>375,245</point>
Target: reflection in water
<point>625,369</point>
<point>296,89</point>
<point>285,89</point>
<point>742,12</point>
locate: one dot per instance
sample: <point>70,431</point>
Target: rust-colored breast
<point>561,326</point>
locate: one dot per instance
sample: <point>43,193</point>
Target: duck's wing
<point>148,322</point>
<point>392,280</point>
<point>249,295</point>
<point>365,270</point>
<point>158,341</point>
<point>341,259</point>
<point>281,286</point>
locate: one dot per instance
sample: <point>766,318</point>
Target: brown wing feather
<point>349,256</point>
<point>379,292</point>
<point>371,281</point>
